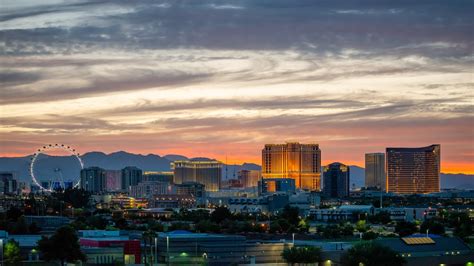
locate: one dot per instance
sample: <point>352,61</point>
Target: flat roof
<point>186,234</point>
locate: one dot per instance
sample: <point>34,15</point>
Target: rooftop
<point>439,244</point>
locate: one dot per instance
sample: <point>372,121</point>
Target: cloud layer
<point>222,78</point>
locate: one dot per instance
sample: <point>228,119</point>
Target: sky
<point>222,78</point>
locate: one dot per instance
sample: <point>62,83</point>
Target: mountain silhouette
<point>46,165</point>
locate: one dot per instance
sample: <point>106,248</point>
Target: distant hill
<point>357,176</point>
<point>151,162</point>
<point>460,181</point>
<point>45,164</point>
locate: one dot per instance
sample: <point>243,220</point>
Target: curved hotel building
<point>301,162</point>
<point>207,173</point>
<point>413,170</point>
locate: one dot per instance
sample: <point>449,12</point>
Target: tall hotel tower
<point>301,162</point>
<point>413,170</point>
<point>208,173</point>
<point>375,170</point>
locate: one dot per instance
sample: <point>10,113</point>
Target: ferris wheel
<point>60,181</point>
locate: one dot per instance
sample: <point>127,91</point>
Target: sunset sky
<point>223,78</point>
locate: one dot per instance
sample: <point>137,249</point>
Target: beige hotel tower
<point>301,162</point>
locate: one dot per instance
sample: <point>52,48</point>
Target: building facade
<point>131,176</point>
<point>113,180</point>
<point>301,162</point>
<point>208,173</point>
<point>194,189</point>
<point>158,176</point>
<point>8,183</point>
<point>272,185</point>
<point>146,189</point>
<point>93,179</point>
<point>336,180</point>
<point>249,178</point>
<point>375,170</point>
<point>413,170</point>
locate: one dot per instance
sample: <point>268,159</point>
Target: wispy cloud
<point>222,78</point>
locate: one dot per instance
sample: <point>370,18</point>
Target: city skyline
<point>227,158</point>
<point>194,78</point>
<point>236,132</point>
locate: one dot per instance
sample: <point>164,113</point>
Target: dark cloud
<point>9,78</point>
<point>325,25</point>
<point>100,86</point>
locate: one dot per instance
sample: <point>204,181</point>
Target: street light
<point>168,249</point>
<point>156,250</point>
<point>293,239</point>
<point>1,251</point>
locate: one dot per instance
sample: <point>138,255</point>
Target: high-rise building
<point>113,180</point>
<point>8,183</point>
<point>131,176</point>
<point>375,170</point>
<point>413,170</point>
<point>208,173</point>
<point>249,178</point>
<point>93,179</point>
<point>336,180</point>
<point>301,162</point>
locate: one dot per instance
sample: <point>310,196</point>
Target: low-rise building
<point>110,243</point>
<point>47,223</point>
<point>264,204</point>
<point>172,201</point>
<point>126,202</point>
<point>430,250</point>
<point>341,213</point>
<point>272,185</point>
<point>146,189</point>
<point>185,248</point>
<point>410,214</point>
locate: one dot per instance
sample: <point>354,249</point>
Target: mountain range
<point>47,166</point>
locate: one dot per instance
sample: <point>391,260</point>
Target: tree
<point>369,235</point>
<point>362,226</point>
<point>404,228</point>
<point>179,226</point>
<point>20,227</point>
<point>302,255</point>
<point>97,222</point>
<point>433,226</point>
<point>291,214</point>
<point>382,217</point>
<point>33,228</point>
<point>14,213</point>
<point>121,223</point>
<point>371,254</point>
<point>208,226</point>
<point>463,231</point>
<point>12,253</point>
<point>284,224</point>
<point>63,246</point>
<point>220,214</point>
<point>77,197</point>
